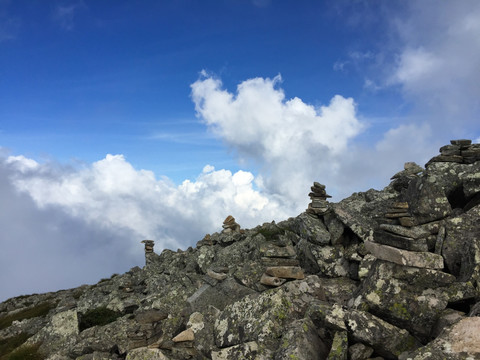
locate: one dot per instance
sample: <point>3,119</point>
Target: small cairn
<point>229,225</point>
<point>401,179</point>
<point>149,254</point>
<point>459,151</point>
<point>318,195</point>
<point>149,244</point>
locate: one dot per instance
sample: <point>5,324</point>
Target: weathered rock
<point>286,272</point>
<point>408,297</point>
<point>339,349</point>
<point>271,280</point>
<point>331,260</point>
<point>461,247</point>
<point>412,232</point>
<point>400,242</point>
<point>386,339</point>
<point>364,212</point>
<point>459,341</point>
<point>359,351</point>
<point>404,257</point>
<point>301,341</point>
<point>312,229</point>
<point>186,335</point>
<point>249,350</point>
<point>445,319</point>
<point>146,354</point>
<point>427,200</point>
<point>270,250</point>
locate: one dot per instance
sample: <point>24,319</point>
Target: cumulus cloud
<point>437,63</point>
<point>294,143</point>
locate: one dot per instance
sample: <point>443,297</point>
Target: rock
<point>270,250</point>
<point>59,334</point>
<point>339,349</point>
<point>331,260</point>
<point>335,228</point>
<point>459,341</point>
<point>408,297</point>
<point>271,280</point>
<point>404,257</point>
<point>249,350</point>
<point>400,242</point>
<point>216,276</point>
<point>446,318</point>
<point>462,142</point>
<point>411,232</point>
<point>286,272</point>
<point>312,229</point>
<point>386,339</point>
<point>359,351</point>
<point>229,225</point>
<point>301,341</point>
<point>146,354</point>
<point>186,335</point>
<point>461,247</point>
<point>427,199</point>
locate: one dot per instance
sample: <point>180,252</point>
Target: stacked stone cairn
<point>460,151</point>
<point>229,225</point>
<point>281,264</point>
<point>319,204</point>
<point>149,244</point>
<point>401,179</point>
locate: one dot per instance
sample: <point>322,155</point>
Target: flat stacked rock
<point>399,213</point>
<point>404,244</point>
<point>401,179</point>
<point>281,264</point>
<point>149,244</point>
<point>459,151</point>
<point>318,195</point>
<point>229,225</point>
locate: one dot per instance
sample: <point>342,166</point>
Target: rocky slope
<point>382,274</point>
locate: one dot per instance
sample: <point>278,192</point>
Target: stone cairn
<point>149,244</point>
<point>149,254</point>
<point>229,225</point>
<point>460,151</point>
<point>318,195</point>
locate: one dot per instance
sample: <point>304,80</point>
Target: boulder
<point>301,341</point>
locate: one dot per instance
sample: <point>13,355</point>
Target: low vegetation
<point>41,309</point>
<point>99,316</point>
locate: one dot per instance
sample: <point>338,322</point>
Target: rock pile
<point>229,225</point>
<point>319,203</point>
<point>149,244</point>
<point>383,274</point>
<point>459,151</point>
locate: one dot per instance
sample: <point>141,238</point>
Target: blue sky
<point>127,120</point>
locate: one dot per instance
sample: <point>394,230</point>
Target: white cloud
<point>294,142</point>
<point>112,194</point>
<point>438,62</point>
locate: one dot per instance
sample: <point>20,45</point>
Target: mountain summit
<point>390,274</point>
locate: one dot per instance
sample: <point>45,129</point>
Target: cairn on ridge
<point>318,195</point>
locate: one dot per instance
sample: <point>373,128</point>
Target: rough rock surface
<point>389,274</point>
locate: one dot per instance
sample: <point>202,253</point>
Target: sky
<point>123,121</point>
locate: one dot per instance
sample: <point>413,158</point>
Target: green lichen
<point>400,311</point>
<point>305,327</point>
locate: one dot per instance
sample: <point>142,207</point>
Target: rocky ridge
<point>390,274</point>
